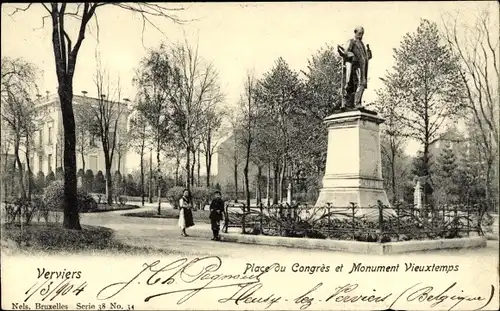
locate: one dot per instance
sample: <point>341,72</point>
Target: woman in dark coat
<point>216,214</point>
<point>185,212</point>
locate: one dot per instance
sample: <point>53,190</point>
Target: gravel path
<point>163,233</point>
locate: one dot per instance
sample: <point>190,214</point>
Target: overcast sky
<point>235,37</point>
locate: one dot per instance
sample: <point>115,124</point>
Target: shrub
<point>80,173</point>
<point>59,173</point>
<point>27,209</point>
<point>50,178</point>
<point>30,177</point>
<point>11,211</point>
<point>131,187</point>
<point>117,186</point>
<point>40,181</point>
<point>88,180</point>
<point>99,183</point>
<point>201,196</point>
<point>54,198</point>
<point>174,194</point>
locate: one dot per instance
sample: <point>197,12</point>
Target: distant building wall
<point>49,144</point>
<point>223,168</point>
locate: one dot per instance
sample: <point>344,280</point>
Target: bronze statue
<point>354,70</point>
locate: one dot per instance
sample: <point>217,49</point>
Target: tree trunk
<point>22,190</point>
<point>158,177</point>
<point>393,174</point>
<point>83,161</point>
<point>188,166</point>
<point>13,189</point>
<point>247,186</point>
<point>109,182</point>
<point>71,217</point>
<point>142,175</point>
<point>275,183</point>
<point>488,184</point>
<point>119,162</point>
<point>28,167</point>
<point>268,184</point>
<point>193,165</point>
<point>235,180</point>
<point>6,176</point>
<point>208,157</point>
<point>258,190</point>
<point>245,170</point>
<point>425,161</point>
<point>198,170</point>
<point>150,183</point>
<point>177,166</point>
<point>282,178</point>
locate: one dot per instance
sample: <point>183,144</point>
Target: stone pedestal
<point>353,165</point>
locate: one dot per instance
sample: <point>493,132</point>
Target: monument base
<point>353,172</point>
<point>343,197</point>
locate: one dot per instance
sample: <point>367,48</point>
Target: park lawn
<point>54,239</point>
<point>199,216</point>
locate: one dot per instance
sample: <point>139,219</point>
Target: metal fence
<point>376,223</point>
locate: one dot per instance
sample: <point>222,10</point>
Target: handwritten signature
<point>202,273</point>
<point>190,277</point>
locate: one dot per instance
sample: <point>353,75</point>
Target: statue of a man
<point>355,59</point>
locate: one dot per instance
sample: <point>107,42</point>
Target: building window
<point>93,163</point>
<point>50,135</point>
<point>92,140</point>
<point>40,163</point>
<point>111,138</point>
<point>50,162</point>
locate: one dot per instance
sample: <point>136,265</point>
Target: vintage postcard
<point>250,156</point>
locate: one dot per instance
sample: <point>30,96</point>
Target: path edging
<point>356,246</point>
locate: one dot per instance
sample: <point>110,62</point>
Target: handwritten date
<point>50,289</point>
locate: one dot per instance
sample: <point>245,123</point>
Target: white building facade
<point>48,148</point>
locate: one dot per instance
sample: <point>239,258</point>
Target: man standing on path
<point>216,214</point>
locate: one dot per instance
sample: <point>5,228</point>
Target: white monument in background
<point>417,195</point>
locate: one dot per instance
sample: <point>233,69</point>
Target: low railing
<point>376,223</point>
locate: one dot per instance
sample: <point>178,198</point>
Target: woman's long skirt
<point>185,218</point>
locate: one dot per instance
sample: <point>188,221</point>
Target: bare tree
<point>249,114</point>
<point>477,48</point>
<point>66,53</point>
<point>234,152</point>
<point>139,140</point>
<point>198,92</point>
<point>393,136</point>
<point>157,81</point>
<point>85,133</point>
<point>6,143</point>
<point>210,138</point>
<point>122,145</point>
<point>107,112</point>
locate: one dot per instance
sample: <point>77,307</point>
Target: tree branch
<point>21,9</point>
